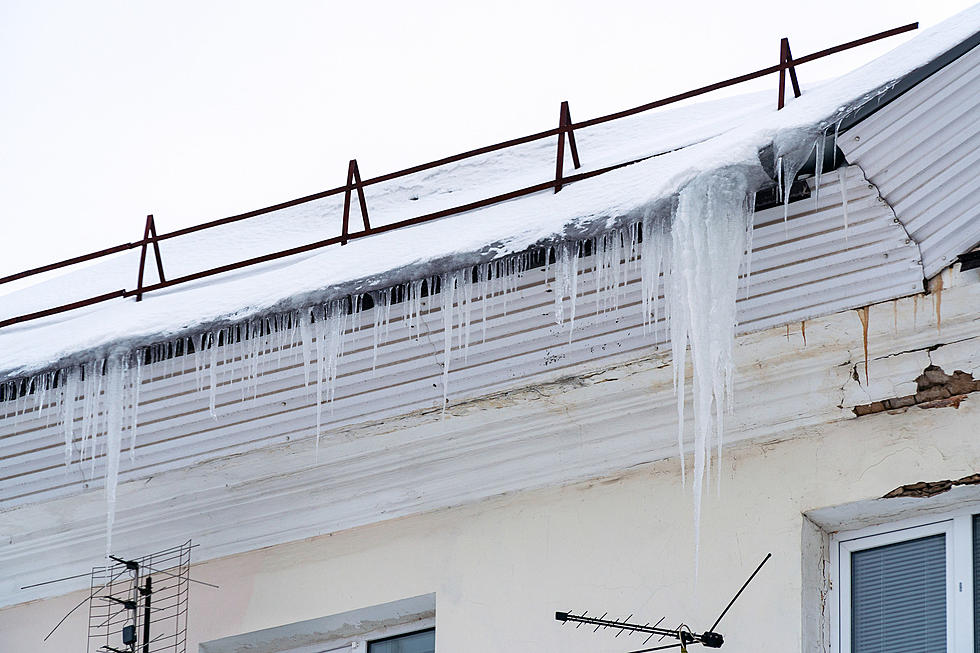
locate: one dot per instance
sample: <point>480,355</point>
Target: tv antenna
<point>682,633</point>
<point>138,605</point>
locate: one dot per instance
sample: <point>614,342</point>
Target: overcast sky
<point>195,110</point>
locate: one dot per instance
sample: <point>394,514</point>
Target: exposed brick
<point>961,383</point>
<point>928,489</point>
<point>953,401</point>
<point>931,394</point>
<point>902,402</point>
<point>935,375</point>
<point>936,389</point>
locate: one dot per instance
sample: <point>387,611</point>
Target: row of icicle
<point>689,269</point>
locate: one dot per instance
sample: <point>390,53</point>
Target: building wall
<point>502,567</point>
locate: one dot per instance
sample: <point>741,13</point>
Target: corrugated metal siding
<point>923,153</point>
<point>802,268</point>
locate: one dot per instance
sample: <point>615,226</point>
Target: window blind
<point>898,597</point>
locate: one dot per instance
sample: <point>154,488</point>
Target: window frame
<point>374,640</point>
<point>957,526</point>
<point>359,643</point>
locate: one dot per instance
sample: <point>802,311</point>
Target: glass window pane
<point>420,642</point>
<point>898,597</point>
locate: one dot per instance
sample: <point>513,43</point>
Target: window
<point>907,587</point>
<point>403,626</point>
<point>423,641</point>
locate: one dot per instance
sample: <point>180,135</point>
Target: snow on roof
<point>694,140</point>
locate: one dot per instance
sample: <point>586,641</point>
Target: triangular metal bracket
<point>565,127</point>
<point>353,181</point>
<point>786,63</point>
<point>149,235</point>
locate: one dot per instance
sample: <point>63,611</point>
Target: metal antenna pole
<point>147,592</point>
<point>739,592</point>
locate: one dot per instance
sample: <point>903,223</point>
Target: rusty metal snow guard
<point>566,128</point>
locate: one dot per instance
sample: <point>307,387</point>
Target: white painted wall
<point>500,568</point>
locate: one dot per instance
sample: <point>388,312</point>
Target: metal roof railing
<point>566,129</point>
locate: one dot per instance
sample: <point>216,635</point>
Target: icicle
<point>87,373</point>
<point>329,326</point>
<point>787,183</point>
<point>842,180</point>
<point>306,334</point>
<point>566,283</point>
<point>598,263</point>
<point>40,392</point>
<point>97,413</point>
<point>338,325</point>
<point>836,134</point>
<point>818,153</point>
<point>447,288</point>
<point>749,233</point>
<point>321,354</point>
<point>113,404</point>
<point>710,225</point>
<point>378,298</point>
<point>413,308</point>
<point>69,392</point>
<point>547,263</point>
<point>213,374</point>
<point>387,296</point>
<point>779,179</point>
<point>652,259</point>
<point>137,382</point>
<point>559,285</point>
<point>465,290</point>
<point>258,345</point>
<point>678,330</point>
<point>199,362</point>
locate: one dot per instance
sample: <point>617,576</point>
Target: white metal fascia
<point>922,150</point>
<point>808,265</point>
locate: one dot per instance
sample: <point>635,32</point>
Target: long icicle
<point>113,407</point>
<point>710,226</point>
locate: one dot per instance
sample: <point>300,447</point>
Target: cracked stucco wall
<point>623,543</point>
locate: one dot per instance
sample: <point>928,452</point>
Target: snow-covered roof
<point>695,140</point>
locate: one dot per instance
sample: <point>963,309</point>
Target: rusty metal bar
<point>470,153</point>
<point>148,231</point>
<point>744,78</point>
<point>265,258</point>
<point>786,63</point>
<point>792,70</point>
<point>63,308</point>
<point>564,126</point>
<point>782,74</point>
<point>68,262</point>
<point>354,182</point>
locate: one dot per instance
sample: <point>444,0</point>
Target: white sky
<point>196,110</point>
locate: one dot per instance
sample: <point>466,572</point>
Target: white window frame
<point>956,526</point>
<point>345,632</point>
